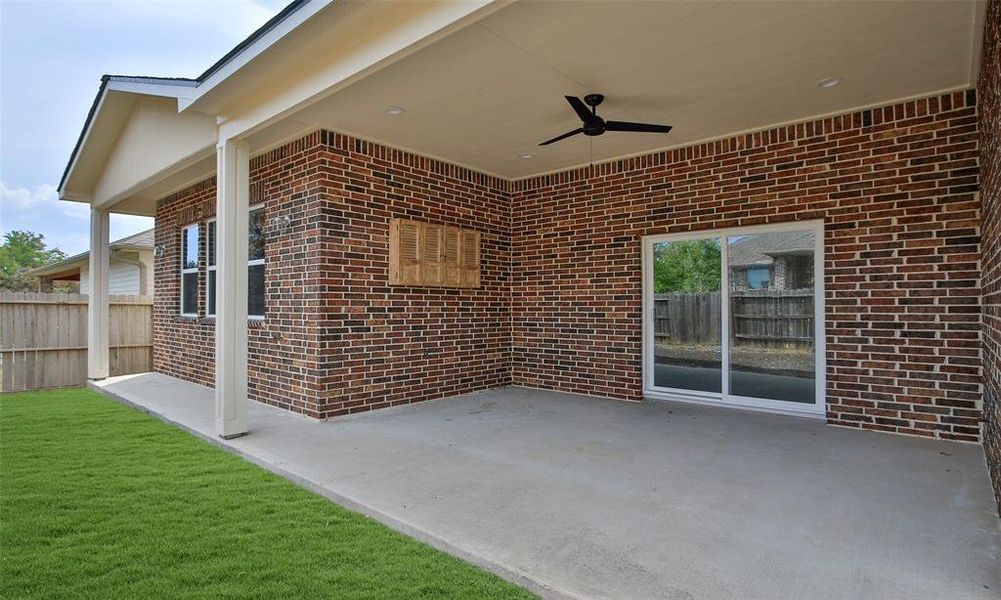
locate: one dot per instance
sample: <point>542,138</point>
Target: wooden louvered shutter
<point>470,250</point>
<point>429,254</point>
<point>451,257</point>
<point>431,271</point>
<point>404,253</point>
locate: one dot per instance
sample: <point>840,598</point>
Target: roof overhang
<point>482,81</point>
<point>123,108</point>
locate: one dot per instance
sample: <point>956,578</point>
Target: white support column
<point>232,225</point>
<point>97,303</point>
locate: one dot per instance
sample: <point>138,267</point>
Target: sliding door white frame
<point>724,398</point>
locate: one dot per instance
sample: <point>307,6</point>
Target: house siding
<point>990,147</point>
<point>896,187</point>
<point>560,302</point>
<point>123,278</point>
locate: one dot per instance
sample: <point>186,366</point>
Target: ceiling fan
<point>592,124</point>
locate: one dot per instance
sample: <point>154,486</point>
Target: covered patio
<point>572,495</point>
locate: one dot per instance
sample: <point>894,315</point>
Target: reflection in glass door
<point>772,352</point>
<point>736,317</point>
<point>687,314</point>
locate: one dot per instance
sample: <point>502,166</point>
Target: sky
<point>52,56</point>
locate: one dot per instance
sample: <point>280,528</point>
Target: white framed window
<point>255,265</point>
<point>189,271</point>
<point>210,261</point>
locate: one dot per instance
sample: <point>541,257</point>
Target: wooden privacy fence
<point>43,339</point>
<point>771,318</point>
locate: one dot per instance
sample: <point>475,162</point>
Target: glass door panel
<point>687,314</point>
<point>772,352</point>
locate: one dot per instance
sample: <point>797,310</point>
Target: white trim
<point>188,270</point>
<point>88,127</point>
<point>164,90</point>
<point>724,324</point>
<point>819,408</point>
<point>786,408</point>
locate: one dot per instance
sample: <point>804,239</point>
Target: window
<point>189,271</point>
<point>255,265</point>
<point>210,259</point>
<point>758,278</point>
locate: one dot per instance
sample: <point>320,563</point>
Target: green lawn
<point>99,500</point>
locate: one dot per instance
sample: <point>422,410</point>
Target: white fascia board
<point>147,88</point>
<point>60,191</point>
<point>164,90</point>
<point>251,52</point>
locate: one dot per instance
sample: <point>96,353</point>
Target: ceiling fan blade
<point>580,108</point>
<point>640,127</point>
<point>562,137</point>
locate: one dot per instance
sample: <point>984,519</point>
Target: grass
<point>99,500</point>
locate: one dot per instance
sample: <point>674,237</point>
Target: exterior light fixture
<point>524,156</point>
<point>826,84</point>
<point>395,111</point>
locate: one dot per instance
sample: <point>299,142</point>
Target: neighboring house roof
<point>137,242</point>
<point>762,248</point>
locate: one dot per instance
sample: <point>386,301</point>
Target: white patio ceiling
<point>493,90</point>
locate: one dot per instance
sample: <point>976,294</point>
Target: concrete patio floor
<point>584,497</point>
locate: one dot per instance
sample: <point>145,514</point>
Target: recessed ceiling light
<point>826,84</point>
<point>524,156</point>
<point>395,111</point>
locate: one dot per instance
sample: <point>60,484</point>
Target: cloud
<point>52,55</point>
<point>42,201</point>
<point>66,225</point>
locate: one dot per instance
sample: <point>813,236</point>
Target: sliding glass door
<point>735,317</point>
<point>687,316</point>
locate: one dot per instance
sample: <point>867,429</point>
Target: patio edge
<point>491,565</point>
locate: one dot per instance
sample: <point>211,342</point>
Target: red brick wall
<point>990,147</point>
<point>560,303</point>
<point>336,337</point>
<point>896,188</point>
<point>392,345</point>
<point>284,348</point>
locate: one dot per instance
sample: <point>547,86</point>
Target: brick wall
<point>391,345</point>
<point>896,187</point>
<point>559,307</point>
<point>990,148</point>
<point>284,348</point>
<point>336,337</point>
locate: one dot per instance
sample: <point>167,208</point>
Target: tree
<point>687,266</point>
<point>21,251</point>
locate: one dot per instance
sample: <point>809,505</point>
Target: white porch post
<point>232,224</point>
<point>97,303</point>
